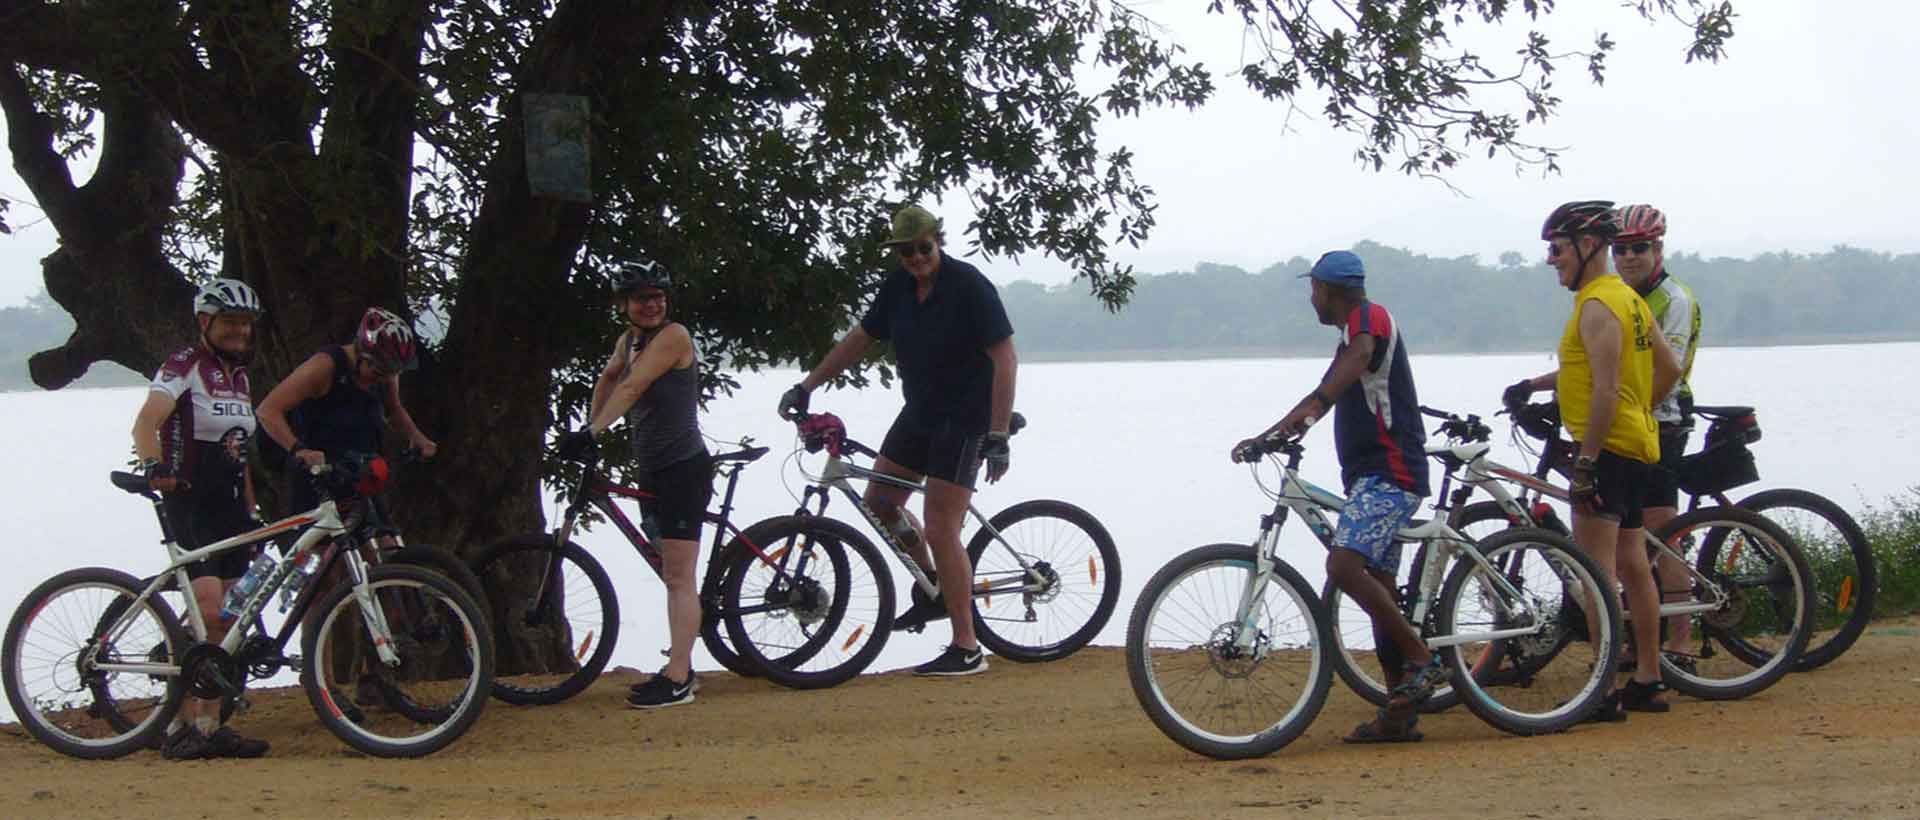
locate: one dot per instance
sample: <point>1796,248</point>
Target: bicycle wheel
<point>549,651</point>
<point>1555,676</point>
<point>52,654</point>
<point>1048,617</point>
<point>445,673</point>
<point>712,625</point>
<point>1766,616</point>
<point>1354,659</point>
<point>445,563</point>
<point>1846,581</point>
<point>1198,686</point>
<point>813,607</point>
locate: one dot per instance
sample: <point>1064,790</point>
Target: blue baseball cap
<point>1341,268</point>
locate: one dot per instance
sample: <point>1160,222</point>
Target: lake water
<point>1142,445</point>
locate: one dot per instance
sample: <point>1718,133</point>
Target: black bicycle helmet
<point>635,274</point>
<point>1588,216</point>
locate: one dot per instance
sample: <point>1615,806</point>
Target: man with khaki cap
<point>954,350</point>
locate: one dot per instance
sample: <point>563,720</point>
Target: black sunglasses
<point>911,249</point>
<point>1639,248</point>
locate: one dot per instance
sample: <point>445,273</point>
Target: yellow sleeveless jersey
<point>1634,433</point>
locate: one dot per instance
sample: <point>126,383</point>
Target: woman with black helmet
<point>653,380</point>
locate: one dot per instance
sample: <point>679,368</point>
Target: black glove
<point>1517,394</point>
<point>1247,451</point>
<point>1583,491</point>
<point>793,403</point>
<point>998,453</point>
<point>576,444</point>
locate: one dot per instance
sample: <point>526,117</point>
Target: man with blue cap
<point>1381,444</point>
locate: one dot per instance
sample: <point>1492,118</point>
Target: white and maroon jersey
<point>206,436</point>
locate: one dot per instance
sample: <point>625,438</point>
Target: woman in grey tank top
<point>653,380</point>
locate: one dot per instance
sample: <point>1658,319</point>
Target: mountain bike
<point>1846,576</point>
<point>1046,575</point>
<point>96,663</point>
<point>559,618</point>
<point>1749,598</point>
<point>1230,651</point>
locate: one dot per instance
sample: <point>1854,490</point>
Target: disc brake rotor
<point>1230,660</point>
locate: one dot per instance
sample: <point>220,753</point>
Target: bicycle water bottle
<point>303,567</point>
<point>257,573</point>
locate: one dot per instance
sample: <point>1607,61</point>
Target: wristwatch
<point>1584,463</point>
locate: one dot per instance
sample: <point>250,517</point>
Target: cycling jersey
<point>1678,314</point>
<point>1634,433</point>
<point>206,436</point>
<point>1376,421</point>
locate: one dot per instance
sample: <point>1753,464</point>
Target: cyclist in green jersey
<point>1639,256</point>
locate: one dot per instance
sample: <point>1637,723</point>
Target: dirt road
<point>1056,740</point>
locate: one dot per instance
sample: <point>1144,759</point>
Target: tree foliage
<point>354,152</point>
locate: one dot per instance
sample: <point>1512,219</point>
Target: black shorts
<point>680,494</point>
<point>1663,479</point>
<point>199,522</point>
<point>1623,486</point>
<point>944,450</point>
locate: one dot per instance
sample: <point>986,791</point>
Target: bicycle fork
<point>370,610</point>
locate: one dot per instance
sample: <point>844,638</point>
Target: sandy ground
<point>1056,740</point>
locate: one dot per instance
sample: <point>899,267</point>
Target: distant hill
<point>1445,305</point>
<point>39,325</point>
<point>1461,305</point>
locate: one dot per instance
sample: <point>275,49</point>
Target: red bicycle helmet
<point>1640,223</point>
<point>386,341</point>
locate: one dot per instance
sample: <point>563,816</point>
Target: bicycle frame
<point>1312,504</point>
<point>322,523</point>
<point>1480,472</point>
<point>839,473</point>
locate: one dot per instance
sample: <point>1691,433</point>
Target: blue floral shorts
<point>1376,509</point>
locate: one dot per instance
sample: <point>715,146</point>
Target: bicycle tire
<point>1575,688</point>
<point>106,705</point>
<point>712,624</point>
<point>474,650</point>
<point>445,563</point>
<point>61,735</point>
<point>993,614</point>
<point>1349,624</point>
<point>1846,582</point>
<point>517,626</point>
<point>1787,579</point>
<point>815,652</point>
<point>1153,622</point>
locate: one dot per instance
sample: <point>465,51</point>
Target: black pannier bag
<point>1726,462</point>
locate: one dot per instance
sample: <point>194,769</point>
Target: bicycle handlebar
<point>1468,428</point>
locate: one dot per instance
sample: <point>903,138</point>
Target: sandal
<point>1382,730</point>
<point>1420,683</point>
<point>1609,711</point>
<point>1639,697</point>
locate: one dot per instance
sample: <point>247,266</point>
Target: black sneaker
<point>953,663</point>
<point>692,678</point>
<point>660,692</point>
<point>924,611</point>
<point>225,742</point>
<point>186,743</point>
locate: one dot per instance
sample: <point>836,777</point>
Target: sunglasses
<point>1638,248</point>
<point>1555,249</point>
<point>650,296</point>
<point>912,249</point>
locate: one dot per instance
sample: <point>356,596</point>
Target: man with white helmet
<point>192,437</point>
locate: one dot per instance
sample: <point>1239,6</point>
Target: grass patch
<point>1893,527</point>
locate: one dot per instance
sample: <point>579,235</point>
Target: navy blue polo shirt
<point>940,344</point>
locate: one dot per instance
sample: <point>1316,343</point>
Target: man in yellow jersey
<point>1614,366</point>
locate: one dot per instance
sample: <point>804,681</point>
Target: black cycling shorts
<point>1663,479</point>
<point>1623,484</point>
<point>680,494</point>
<point>943,450</point>
<point>197,523</point>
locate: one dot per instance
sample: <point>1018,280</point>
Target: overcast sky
<point>1802,139</point>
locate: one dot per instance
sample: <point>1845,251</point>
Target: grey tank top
<point>665,421</point>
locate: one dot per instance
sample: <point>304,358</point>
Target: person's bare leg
<point>678,559</point>
<point>1676,585</point>
<point>1636,574</point>
<point>946,511</point>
